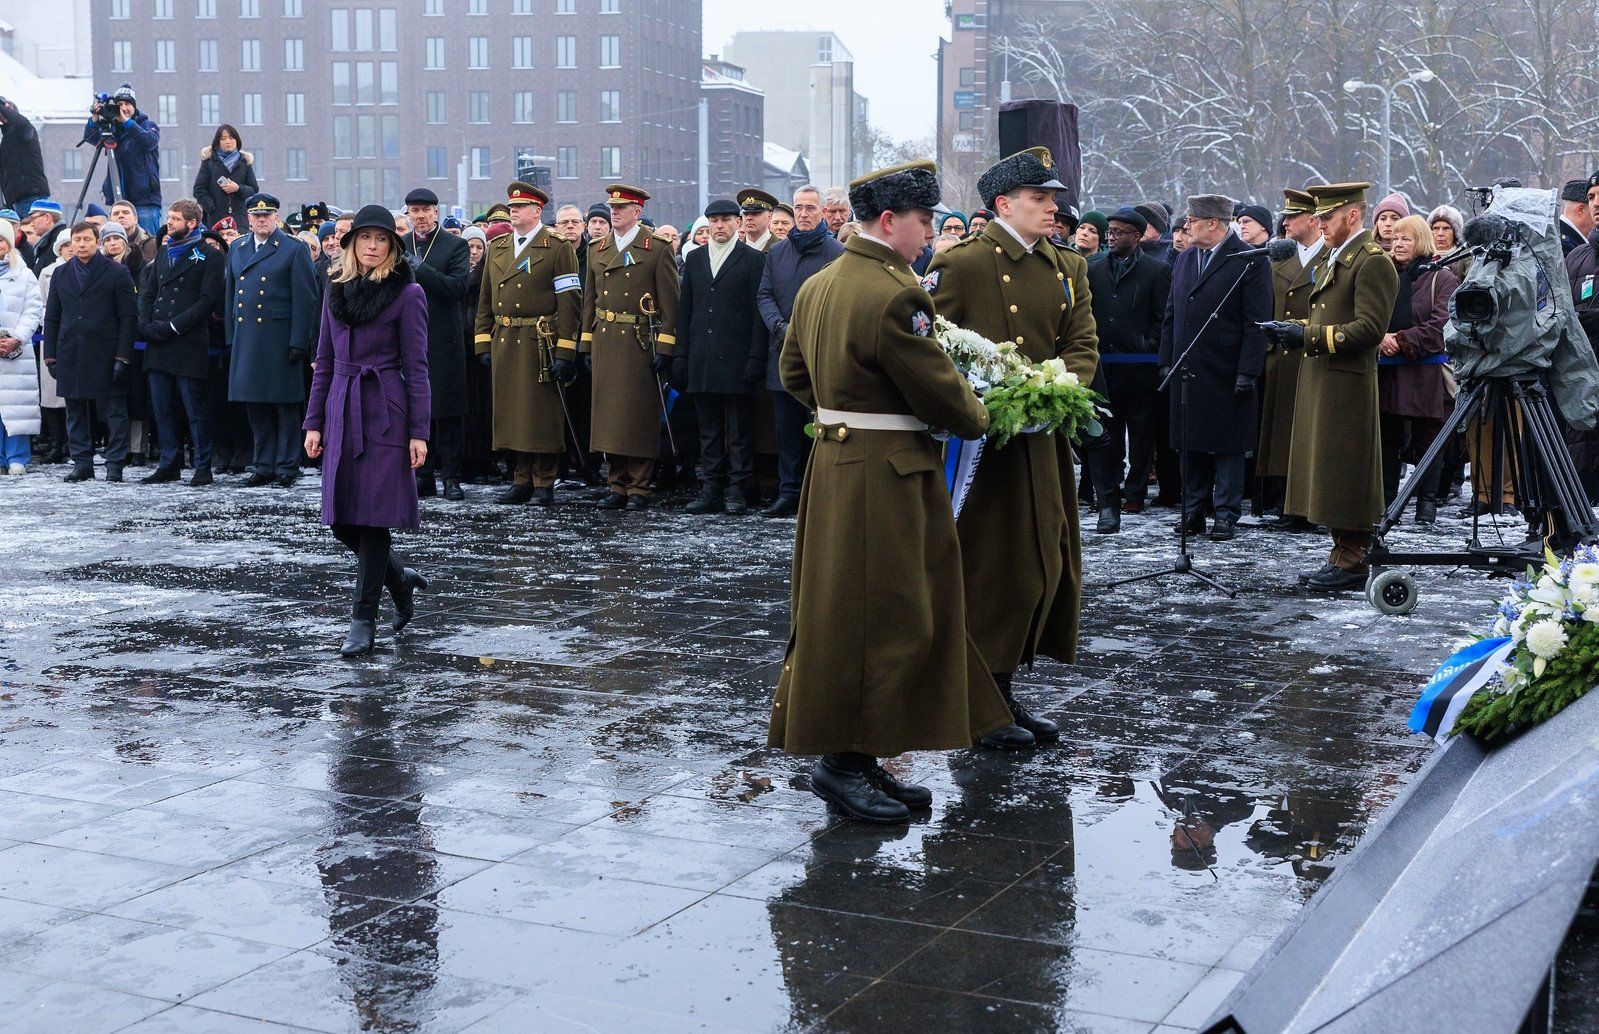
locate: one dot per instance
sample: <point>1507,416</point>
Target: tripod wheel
<point>1392,592</point>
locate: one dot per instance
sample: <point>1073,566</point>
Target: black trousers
<point>447,448</point>
<point>1119,461</point>
<point>793,444</point>
<point>175,400</point>
<point>376,565</point>
<point>1215,483</point>
<point>113,409</point>
<point>727,438</point>
<point>275,427</point>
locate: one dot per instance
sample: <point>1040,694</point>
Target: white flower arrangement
<point>1022,397</point>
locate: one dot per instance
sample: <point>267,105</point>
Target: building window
<point>566,52</point>
<point>72,164</point>
<point>249,8</point>
<point>366,136</point>
<point>294,55</point>
<point>610,6</point>
<point>168,163</point>
<point>521,6</point>
<point>566,105</point>
<point>389,127</point>
<point>251,115</point>
<point>438,163</point>
<point>610,162</point>
<point>121,55</point>
<point>294,109</point>
<point>166,55</point>
<point>205,8</point>
<point>166,109</point>
<point>610,52</point>
<point>386,31</point>
<point>249,55</point>
<point>565,6</point>
<point>477,49</point>
<point>208,55</point>
<point>522,106</point>
<point>341,82</point>
<point>478,109</point>
<point>294,9</point>
<point>365,88</point>
<point>343,142</point>
<point>433,9</point>
<point>163,9</point>
<point>339,36</point>
<point>566,163</point>
<point>294,163</point>
<point>435,52</point>
<point>363,30</point>
<point>610,105</point>
<point>522,52</point>
<point>480,163</point>
<point>388,82</point>
<point>119,10</point>
<point>824,50</point>
<point>436,107</point>
<point>968,120</point>
<point>391,188</point>
<point>477,6</point>
<point>210,109</point>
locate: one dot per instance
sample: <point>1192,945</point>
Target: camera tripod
<point>1527,447</point>
<point>101,146</point>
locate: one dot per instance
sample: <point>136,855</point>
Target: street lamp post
<point>1424,75</point>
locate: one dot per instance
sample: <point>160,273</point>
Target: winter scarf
<point>806,241</point>
<point>175,248</point>
<point>719,253</point>
<point>358,302</point>
<point>229,159</point>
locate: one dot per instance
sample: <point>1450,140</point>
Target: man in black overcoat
<point>184,290</point>
<point>1223,370</point>
<point>717,320</point>
<point>442,263</point>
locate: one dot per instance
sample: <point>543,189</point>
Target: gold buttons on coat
<point>1018,339</point>
<point>1013,308</point>
<point>998,250</point>
<point>843,433</point>
<point>1060,276</point>
<point>1006,278</point>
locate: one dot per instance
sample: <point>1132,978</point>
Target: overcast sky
<point>893,41</point>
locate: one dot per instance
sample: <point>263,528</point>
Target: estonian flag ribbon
<point>1455,682</point>
<point>960,467</point>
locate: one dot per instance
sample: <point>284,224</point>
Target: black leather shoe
<point>1336,580</point>
<point>427,486</point>
<point>908,794</point>
<point>1196,526</point>
<point>614,501</point>
<point>1043,730</point>
<point>201,478</point>
<point>452,490</point>
<point>737,504</point>
<point>1426,511</point>
<point>79,474</point>
<point>160,476</point>
<point>113,474</point>
<point>1110,521</point>
<point>1009,737</point>
<point>405,598</point>
<point>1222,530</point>
<point>359,641</point>
<point>636,503</point>
<point>854,795</point>
<point>544,497</point>
<point>710,500</point>
<point>286,480</point>
<point>1305,578</point>
<point>515,495</point>
<point>782,506</point>
<point>258,481</point>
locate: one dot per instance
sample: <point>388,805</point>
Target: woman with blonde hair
<point>368,415</point>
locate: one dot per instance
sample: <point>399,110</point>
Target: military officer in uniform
<point>629,319</point>
<point>271,323</point>
<point>1335,467</point>
<point>442,265</point>
<point>879,660</point>
<point>1291,279</point>
<point>526,332</point>
<point>756,207</point>
<point>1020,545</point>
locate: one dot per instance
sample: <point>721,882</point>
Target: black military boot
<point>737,503</point>
<point>402,590</point>
<point>614,501</point>
<point>908,794</point>
<point>1013,736</point>
<point>363,632</point>
<point>452,490</point>
<point>635,503</point>
<point>544,497</point>
<point>841,780</point>
<point>1110,521</point>
<point>79,474</point>
<point>710,500</point>
<point>160,476</point>
<point>1043,730</point>
<point>515,494</point>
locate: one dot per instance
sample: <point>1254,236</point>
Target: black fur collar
<point>357,302</point>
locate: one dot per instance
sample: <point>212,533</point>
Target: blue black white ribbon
<point>960,468</point>
<point>1455,682</point>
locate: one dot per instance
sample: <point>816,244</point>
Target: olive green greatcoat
<point>625,416</point>
<point>1020,545</point>
<point>879,659</point>
<point>1335,468</point>
<point>527,411</point>
<point>1291,282</point>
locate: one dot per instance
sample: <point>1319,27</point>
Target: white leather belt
<point>870,421</point>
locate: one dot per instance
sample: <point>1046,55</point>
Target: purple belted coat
<point>369,398</point>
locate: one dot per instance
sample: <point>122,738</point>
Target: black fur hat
<point>1034,167</point>
<point>897,188</point>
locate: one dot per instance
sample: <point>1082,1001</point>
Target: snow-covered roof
<point>715,80</point>
<point>44,100</point>
<point>780,157</point>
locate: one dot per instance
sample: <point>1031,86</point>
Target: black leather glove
<point>1161,373</point>
<point>754,370</point>
<point>296,356</point>
<point>119,373</point>
<point>587,359</point>
<point>565,371</point>
<point>150,333</point>
<point>485,360</point>
<point>1284,335</point>
<point>1243,384</point>
<point>661,363</point>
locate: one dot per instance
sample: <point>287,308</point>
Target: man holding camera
<point>117,121</point>
<point>1335,466</point>
<point>22,176</point>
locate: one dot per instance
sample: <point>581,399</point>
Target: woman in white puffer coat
<point>21,309</point>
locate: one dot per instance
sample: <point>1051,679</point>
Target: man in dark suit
<point>271,322</point>
<point>183,291</point>
<point>442,263</point>
<point>1576,216</point>
<point>89,321</point>
<point>1224,366</point>
<point>717,322</point>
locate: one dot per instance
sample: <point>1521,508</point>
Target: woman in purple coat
<point>368,415</point>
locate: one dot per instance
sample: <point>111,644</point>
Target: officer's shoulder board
<point>502,241</point>
<point>663,238</point>
<point>1373,249</point>
<point>600,243</point>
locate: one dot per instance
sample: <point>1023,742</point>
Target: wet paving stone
<point>548,804</point>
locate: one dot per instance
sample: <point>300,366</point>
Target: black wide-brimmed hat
<point>371,217</point>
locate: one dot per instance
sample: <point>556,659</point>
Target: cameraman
<point>21,165</point>
<point>138,155</point>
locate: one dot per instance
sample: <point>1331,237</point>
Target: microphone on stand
<point>1276,250</point>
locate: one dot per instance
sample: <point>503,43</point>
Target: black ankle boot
<point>840,781</point>
<point>363,631</point>
<point>1043,730</point>
<point>710,500</point>
<point>908,794</point>
<point>1014,736</point>
<point>404,597</point>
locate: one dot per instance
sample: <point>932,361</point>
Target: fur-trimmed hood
<point>249,159</point>
<point>358,302</point>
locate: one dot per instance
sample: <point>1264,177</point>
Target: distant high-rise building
<point>811,104</point>
<point>358,104</point>
<point>734,130</point>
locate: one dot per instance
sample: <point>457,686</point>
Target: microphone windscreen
<point>1485,229</point>
<point>1281,248</point>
